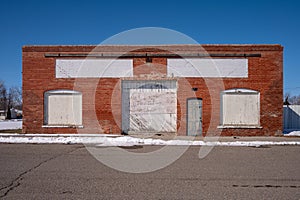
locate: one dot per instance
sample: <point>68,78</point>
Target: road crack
<point>17,181</point>
<point>267,186</point>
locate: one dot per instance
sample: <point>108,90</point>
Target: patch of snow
<point>293,133</point>
<point>10,125</point>
<point>125,141</point>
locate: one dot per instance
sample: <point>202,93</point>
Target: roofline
<point>89,45</point>
<point>167,47</point>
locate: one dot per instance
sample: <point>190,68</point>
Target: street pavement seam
<point>17,181</point>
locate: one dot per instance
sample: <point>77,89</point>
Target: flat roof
<point>192,48</point>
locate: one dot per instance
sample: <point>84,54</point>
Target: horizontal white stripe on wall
<point>201,67</point>
<point>93,68</point>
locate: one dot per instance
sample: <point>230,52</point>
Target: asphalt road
<point>71,172</point>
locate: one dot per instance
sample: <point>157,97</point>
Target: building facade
<point>178,89</point>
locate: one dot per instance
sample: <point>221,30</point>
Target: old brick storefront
<point>177,89</point>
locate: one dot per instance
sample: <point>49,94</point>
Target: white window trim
<point>239,91</point>
<point>58,92</point>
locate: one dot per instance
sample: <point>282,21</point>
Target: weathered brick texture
<point>102,97</point>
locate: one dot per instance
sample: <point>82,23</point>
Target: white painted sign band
<point>93,68</point>
<point>201,67</point>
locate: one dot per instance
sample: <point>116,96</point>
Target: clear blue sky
<point>38,22</point>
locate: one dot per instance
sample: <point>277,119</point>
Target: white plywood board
<point>240,109</point>
<point>152,100</point>
<point>64,109</point>
<point>93,68</point>
<point>153,110</point>
<point>153,122</point>
<point>149,106</point>
<point>202,67</point>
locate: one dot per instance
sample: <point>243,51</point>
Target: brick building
<point>178,89</point>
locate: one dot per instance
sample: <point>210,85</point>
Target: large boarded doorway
<point>149,106</point>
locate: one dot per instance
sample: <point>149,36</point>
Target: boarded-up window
<point>63,107</point>
<point>240,107</point>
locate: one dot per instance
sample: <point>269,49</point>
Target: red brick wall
<point>102,98</point>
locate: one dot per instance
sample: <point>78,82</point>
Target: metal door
<point>194,116</point>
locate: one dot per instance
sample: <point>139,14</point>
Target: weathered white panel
<point>149,106</point>
<point>153,122</point>
<point>201,67</point>
<point>153,110</point>
<point>93,68</point>
<point>240,109</point>
<point>291,117</point>
<point>152,100</point>
<point>64,109</point>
